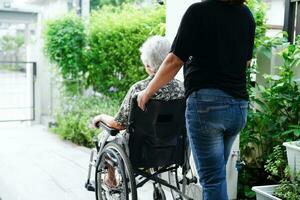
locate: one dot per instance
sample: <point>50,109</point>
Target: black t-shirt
<point>215,40</point>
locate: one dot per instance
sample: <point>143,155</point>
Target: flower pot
<point>293,155</point>
<point>265,192</point>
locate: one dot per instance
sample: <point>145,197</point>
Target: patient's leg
<point>110,180</point>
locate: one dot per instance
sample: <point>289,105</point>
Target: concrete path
<point>37,165</point>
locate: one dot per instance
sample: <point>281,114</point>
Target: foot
<point>110,182</point>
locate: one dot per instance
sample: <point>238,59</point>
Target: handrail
<point>34,72</point>
<point>21,62</point>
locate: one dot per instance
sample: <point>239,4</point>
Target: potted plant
<point>275,166</point>
<point>289,187</point>
<point>293,155</point>
<point>265,192</point>
<point>279,171</point>
<point>293,150</point>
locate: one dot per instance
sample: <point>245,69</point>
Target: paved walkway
<point>37,165</point>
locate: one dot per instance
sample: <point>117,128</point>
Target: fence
<point>17,91</point>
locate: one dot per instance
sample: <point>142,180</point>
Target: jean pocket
<point>205,107</point>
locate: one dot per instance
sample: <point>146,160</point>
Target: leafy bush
<point>116,34</point>
<point>65,42</point>
<point>289,188</point>
<point>12,49</point>
<point>258,9</point>
<point>277,167</point>
<point>72,120</point>
<point>274,118</point>
<point>276,115</point>
<point>95,4</point>
<point>276,164</point>
<point>107,59</point>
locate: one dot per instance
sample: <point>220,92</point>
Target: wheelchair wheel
<point>159,194</point>
<point>174,180</point>
<point>191,189</point>
<point>114,156</point>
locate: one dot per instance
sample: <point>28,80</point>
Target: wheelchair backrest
<point>157,135</point>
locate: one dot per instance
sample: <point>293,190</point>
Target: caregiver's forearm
<point>167,71</point>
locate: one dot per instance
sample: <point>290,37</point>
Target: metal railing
<point>17,91</point>
<point>292,19</point>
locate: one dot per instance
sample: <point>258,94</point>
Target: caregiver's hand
<point>142,99</point>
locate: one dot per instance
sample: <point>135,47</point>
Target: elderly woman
<point>153,53</point>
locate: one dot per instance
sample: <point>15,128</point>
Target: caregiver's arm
<point>167,71</point>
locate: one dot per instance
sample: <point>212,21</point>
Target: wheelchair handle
<point>111,131</point>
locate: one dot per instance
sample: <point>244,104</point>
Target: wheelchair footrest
<point>90,186</point>
<point>190,180</point>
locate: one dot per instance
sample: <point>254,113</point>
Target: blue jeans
<point>213,119</point>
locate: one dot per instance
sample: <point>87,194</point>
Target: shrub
<point>274,118</point>
<point>73,118</point>
<point>277,108</point>
<point>65,42</point>
<point>289,188</point>
<point>116,34</point>
<point>95,4</point>
<point>107,59</point>
<point>258,9</point>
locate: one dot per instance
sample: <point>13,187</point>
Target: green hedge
<point>108,57</point>
<point>258,9</point>
<point>116,34</point>
<point>65,42</point>
<point>96,4</point>
<point>247,176</point>
<point>73,118</point>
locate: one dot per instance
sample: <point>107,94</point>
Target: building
<point>32,14</point>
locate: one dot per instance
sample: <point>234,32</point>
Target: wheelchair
<point>156,150</point>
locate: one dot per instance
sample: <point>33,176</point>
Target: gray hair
<point>154,51</point>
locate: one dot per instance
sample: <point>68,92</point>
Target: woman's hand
<point>142,99</point>
<point>107,120</point>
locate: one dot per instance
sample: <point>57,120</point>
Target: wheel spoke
<point>114,156</point>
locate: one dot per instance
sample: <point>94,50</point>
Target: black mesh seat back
<point>157,136</point>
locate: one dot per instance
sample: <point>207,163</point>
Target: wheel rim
<point>173,180</point>
<point>122,191</point>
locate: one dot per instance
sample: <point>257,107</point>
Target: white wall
<point>44,84</point>
<point>275,13</point>
<point>47,95</point>
<point>275,16</point>
<point>175,11</point>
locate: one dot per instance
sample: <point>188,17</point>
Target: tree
<point>12,45</point>
<point>99,3</point>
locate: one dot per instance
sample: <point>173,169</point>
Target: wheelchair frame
<point>143,175</point>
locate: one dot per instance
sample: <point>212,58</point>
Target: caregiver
<point>214,43</point>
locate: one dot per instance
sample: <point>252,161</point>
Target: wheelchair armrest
<point>111,131</point>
